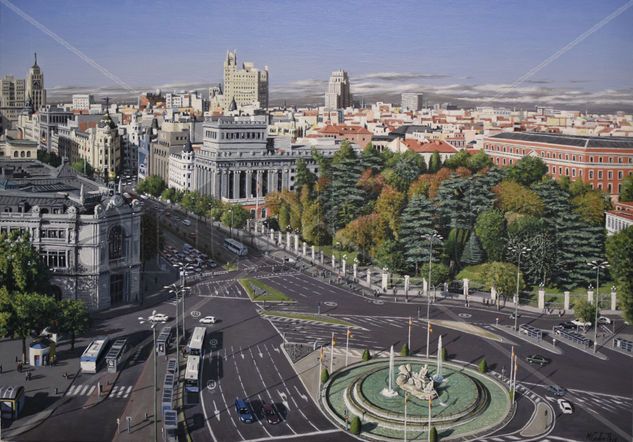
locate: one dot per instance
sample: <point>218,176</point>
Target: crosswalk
<point>117,392</point>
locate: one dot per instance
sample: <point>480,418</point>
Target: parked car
<point>272,417</point>
<point>243,411</point>
<point>186,222</point>
<point>158,317</point>
<point>208,320</point>
<point>581,323</point>
<point>604,320</point>
<point>556,390</point>
<point>212,264</point>
<point>537,360</point>
<point>567,325</point>
<point>565,406</point>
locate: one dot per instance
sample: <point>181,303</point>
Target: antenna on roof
<point>107,102</point>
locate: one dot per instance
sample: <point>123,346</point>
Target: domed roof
<point>188,148</point>
<point>107,121</point>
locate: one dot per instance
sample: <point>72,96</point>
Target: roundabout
<point>460,401</point>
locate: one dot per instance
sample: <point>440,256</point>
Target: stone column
<point>296,243</point>
<point>275,180</point>
<point>355,270</point>
<point>260,183</point>
<point>541,298</point>
<point>566,300</point>
<point>406,284</point>
<point>344,262</point>
<point>285,179</point>
<point>304,249</point>
<point>333,262</point>
<point>590,296</point>
<point>369,278</point>
<point>466,288</point>
<point>384,283</point>
<point>279,237</point>
<point>236,184</point>
<point>269,177</point>
<point>425,286</point>
<point>322,258</point>
<point>272,235</point>
<point>249,181</point>
<point>614,303</point>
<point>493,293</point>
<point>225,184</point>
<point>312,253</point>
<point>217,184</point>
<point>288,240</point>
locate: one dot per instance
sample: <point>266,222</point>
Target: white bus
<point>235,247</point>
<point>93,355</point>
<point>196,342</point>
<point>192,377</point>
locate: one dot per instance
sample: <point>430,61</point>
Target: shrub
<point>405,350</point>
<point>325,375</point>
<point>366,355</point>
<point>433,436</point>
<point>483,366</point>
<point>354,427</point>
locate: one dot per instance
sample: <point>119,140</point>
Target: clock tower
<point>35,86</point>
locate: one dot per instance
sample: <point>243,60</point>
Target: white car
<point>565,406</point>
<point>208,320</point>
<point>159,317</point>
<point>604,320</point>
<point>581,323</point>
<point>186,222</point>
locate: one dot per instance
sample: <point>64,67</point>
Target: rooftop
<point>568,140</point>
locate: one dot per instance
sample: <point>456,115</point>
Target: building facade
<point>12,100</point>
<point>82,102</point>
<point>181,168</point>
<point>411,101</point>
<point>35,86</point>
<point>245,86</point>
<point>602,162</point>
<point>620,218</point>
<point>338,94</point>
<point>167,142</point>
<point>89,240</point>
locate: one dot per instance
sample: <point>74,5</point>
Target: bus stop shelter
<point>170,423</point>
<point>11,401</point>
<point>114,358</point>
<point>162,342</point>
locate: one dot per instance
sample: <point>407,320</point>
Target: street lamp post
<point>519,250</point>
<point>173,288</point>
<point>153,327</point>
<point>597,265</point>
<point>183,281</point>
<point>432,238</point>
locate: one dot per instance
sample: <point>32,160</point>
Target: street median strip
<point>308,317</point>
<point>468,328</point>
<point>257,291</point>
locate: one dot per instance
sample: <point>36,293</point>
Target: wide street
<point>243,357</point>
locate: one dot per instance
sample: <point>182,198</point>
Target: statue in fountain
<point>418,384</point>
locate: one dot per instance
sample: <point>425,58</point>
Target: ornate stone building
<point>245,86</point>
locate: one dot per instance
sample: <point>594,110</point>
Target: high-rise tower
<point>35,86</point>
<point>338,94</point>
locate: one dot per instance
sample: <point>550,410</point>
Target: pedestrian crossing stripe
<point>87,390</point>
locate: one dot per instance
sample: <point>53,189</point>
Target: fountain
<point>438,378</point>
<point>389,391</point>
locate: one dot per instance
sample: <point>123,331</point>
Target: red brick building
<point>354,134</point>
<point>603,162</point>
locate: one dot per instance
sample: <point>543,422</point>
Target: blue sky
<point>439,45</point>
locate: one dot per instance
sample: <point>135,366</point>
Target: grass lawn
<point>307,317</point>
<point>271,294</point>
<point>329,251</point>
<point>473,274</point>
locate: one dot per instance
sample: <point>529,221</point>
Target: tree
<point>389,254</point>
<point>433,436</point>
<point>364,234</point>
<point>403,169</point>
<point>82,166</point>
<point>490,228</point>
<point>169,194</point>
<point>404,351</point>
<point>29,313</point>
<point>303,175</point>
<point>483,366</point>
<point>479,161</point>
<point>460,159</point>
<point>528,170</point>
<point>620,256</point>
<point>472,254</point>
<point>372,159</point>
<point>74,318</point>
<point>49,158</point>
<point>284,217</point>
<point>388,207</point>
<point>355,425</point>
<point>585,311</point>
<point>325,375</point>
<point>591,206</point>
<point>344,199</point>
<point>513,197</point>
<point>439,273</point>
<point>21,267</point>
<point>366,355</point>
<point>627,189</point>
<point>452,203</point>
<point>503,277</point>
<point>417,222</point>
<point>153,185</point>
<point>435,163</point>
<point>235,216</point>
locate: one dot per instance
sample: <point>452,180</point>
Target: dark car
<point>272,417</point>
<point>537,360</point>
<point>244,412</point>
<point>556,390</point>
<point>568,325</point>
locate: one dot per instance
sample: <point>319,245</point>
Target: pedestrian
<point>17,360</point>
<point>29,374</point>
<point>0,368</point>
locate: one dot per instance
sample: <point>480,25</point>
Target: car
<point>567,325</point>
<point>565,406</point>
<point>212,264</point>
<point>537,360</point>
<point>581,323</point>
<point>604,320</point>
<point>512,316</point>
<point>208,320</point>
<point>143,196</point>
<point>244,412</point>
<point>556,390</point>
<point>158,317</point>
<point>186,222</point>
<point>272,417</point>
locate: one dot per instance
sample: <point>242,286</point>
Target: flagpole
<point>428,338</point>
<point>332,354</point>
<point>409,339</point>
<point>429,429</point>
<point>405,416</point>
<point>511,366</point>
<point>347,347</point>
<point>320,371</point>
<point>514,383</point>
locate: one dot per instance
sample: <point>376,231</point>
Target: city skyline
<point>449,58</point>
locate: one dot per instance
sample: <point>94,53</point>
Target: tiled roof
<point>568,140</point>
<point>430,147</point>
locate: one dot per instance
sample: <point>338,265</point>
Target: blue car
<point>244,412</point>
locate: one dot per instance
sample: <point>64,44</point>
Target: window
<point>610,173</point>
<point>573,172</point>
<point>599,174</point>
<point>115,243</point>
<point>591,174</point>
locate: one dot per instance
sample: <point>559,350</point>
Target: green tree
<point>460,159</point>
<point>473,253</point>
<point>503,277</point>
<point>528,170</point>
<point>82,166</point>
<point>325,375</point>
<point>591,206</point>
<point>479,161</point>
<point>389,254</point>
<point>21,268</point>
<point>491,230</point>
<point>585,311</point>
<point>366,355</point>
<point>483,366</point>
<point>416,223</point>
<point>516,198</point>
<point>75,319</point>
<point>29,313</point>
<point>402,169</point>
<point>152,185</point>
<point>435,163</point>
<point>372,159</point>
<point>344,199</point>
<point>355,425</point>
<point>284,217</point>
<point>620,256</point>
<point>404,351</point>
<point>303,175</point>
<point>49,158</point>
<point>388,207</point>
<point>439,273</point>
<point>235,216</point>
<point>627,189</point>
<point>168,194</point>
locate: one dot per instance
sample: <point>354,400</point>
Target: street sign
<point>195,314</point>
<point>211,384</point>
<point>213,343</point>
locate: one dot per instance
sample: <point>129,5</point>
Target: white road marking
<point>237,370</point>
<point>127,393</point>
<point>204,409</point>
<point>71,391</point>
<point>83,391</point>
<point>216,411</point>
<point>91,390</point>
<point>303,396</point>
<point>259,352</point>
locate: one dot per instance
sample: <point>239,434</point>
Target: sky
<point>466,51</point>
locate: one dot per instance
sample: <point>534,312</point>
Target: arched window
<point>115,243</point>
<point>15,154</point>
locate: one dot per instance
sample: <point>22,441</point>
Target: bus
<point>93,355</point>
<point>192,375</point>
<point>235,247</point>
<point>196,342</point>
